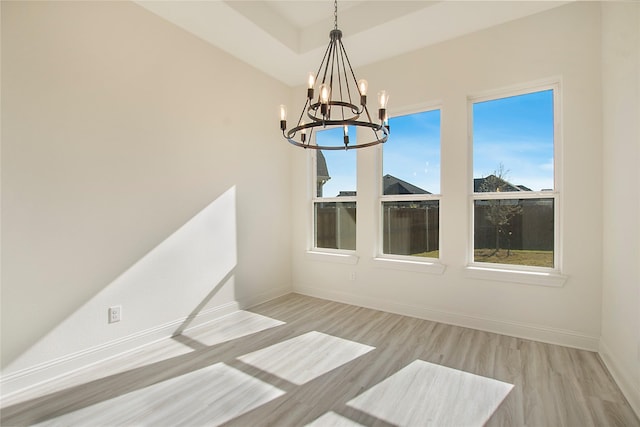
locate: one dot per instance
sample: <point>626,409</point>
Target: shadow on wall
<point>185,280</point>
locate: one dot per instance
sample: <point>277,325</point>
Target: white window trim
<point>408,263</point>
<point>405,262</point>
<point>527,276</point>
<point>336,256</point>
<point>541,276</point>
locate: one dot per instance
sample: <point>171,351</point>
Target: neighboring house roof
<point>321,168</point>
<point>393,185</point>
<point>488,184</point>
<point>390,183</point>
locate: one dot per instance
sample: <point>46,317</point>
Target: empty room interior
<point>194,231</point>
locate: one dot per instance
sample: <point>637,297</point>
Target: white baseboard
<point>35,376</point>
<point>262,297</point>
<point>514,329</point>
<point>622,376</point>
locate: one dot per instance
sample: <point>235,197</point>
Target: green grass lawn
<point>430,254</point>
<point>517,257</point>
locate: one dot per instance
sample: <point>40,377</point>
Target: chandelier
<point>334,106</point>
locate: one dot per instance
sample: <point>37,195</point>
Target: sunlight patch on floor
<point>305,357</point>
<point>233,326</point>
<point>426,394</point>
<point>331,419</point>
<point>221,394</point>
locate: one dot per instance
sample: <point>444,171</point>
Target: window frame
<point>546,276</point>
<point>406,262</point>
<point>347,256</point>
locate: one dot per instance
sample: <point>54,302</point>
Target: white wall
<point>564,43</point>
<point>137,170</point>
<point>620,341</point>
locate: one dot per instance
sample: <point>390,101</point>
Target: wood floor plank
<point>239,371</point>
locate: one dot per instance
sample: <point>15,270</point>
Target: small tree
<point>499,211</point>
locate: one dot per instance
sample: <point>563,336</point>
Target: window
<point>410,193</point>
<point>334,201</point>
<point>515,199</point>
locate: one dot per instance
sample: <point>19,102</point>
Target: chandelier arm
<point>333,61</point>
<point>355,80</point>
<point>325,61</point>
<point>375,134</point>
<point>343,54</point>
<point>310,136</point>
<point>338,52</point>
<point>303,109</point>
<point>324,58</point>
<point>366,110</point>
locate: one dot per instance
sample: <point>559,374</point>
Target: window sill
<point>539,278</point>
<point>340,258</point>
<point>406,265</point>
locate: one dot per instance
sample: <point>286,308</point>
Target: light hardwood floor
<point>299,360</point>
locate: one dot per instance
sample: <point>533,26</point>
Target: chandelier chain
<point>335,14</point>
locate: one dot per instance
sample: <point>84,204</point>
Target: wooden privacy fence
<point>410,230</point>
<point>335,225</point>
<point>407,229</point>
<point>531,229</point>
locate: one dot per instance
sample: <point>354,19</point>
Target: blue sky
<point>516,132</point>
<point>341,164</point>
<point>412,152</point>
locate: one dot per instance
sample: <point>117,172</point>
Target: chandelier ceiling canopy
<point>340,102</point>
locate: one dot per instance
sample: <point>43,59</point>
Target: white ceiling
<point>286,38</point>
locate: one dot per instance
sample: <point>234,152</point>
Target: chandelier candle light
<point>334,106</point>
